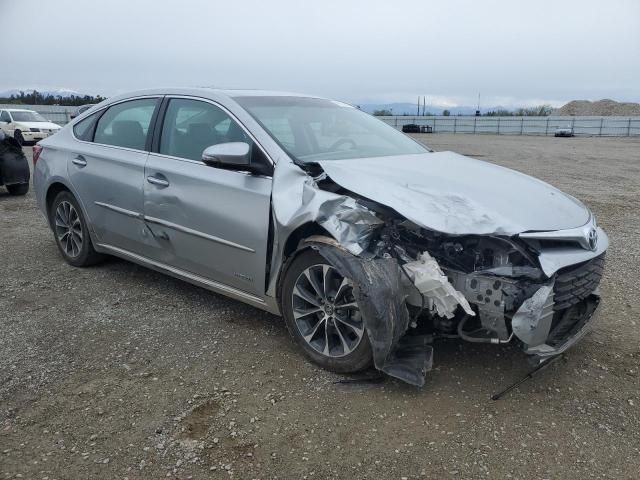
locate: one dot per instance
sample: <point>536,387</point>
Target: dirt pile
<point>600,107</point>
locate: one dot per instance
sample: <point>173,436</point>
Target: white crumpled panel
<point>426,275</point>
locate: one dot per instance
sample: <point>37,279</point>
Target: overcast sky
<point>514,52</point>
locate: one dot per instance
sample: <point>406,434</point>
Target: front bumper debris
<point>572,325</point>
<point>532,322</point>
<point>449,270</point>
<point>381,293</point>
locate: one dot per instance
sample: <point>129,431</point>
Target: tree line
<point>37,98</point>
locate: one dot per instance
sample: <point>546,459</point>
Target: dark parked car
<point>81,110</point>
<point>14,168</point>
<point>411,128</point>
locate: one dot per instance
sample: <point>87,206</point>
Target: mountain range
<point>60,92</point>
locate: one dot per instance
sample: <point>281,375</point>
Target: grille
<point>574,284</point>
<point>567,323</point>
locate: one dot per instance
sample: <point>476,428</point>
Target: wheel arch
<point>56,186</point>
<point>52,191</point>
<point>297,242</point>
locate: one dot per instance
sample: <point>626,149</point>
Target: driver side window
<point>4,117</point>
<point>190,126</point>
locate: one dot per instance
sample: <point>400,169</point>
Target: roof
<point>245,92</point>
<point>209,92</point>
<point>16,110</point>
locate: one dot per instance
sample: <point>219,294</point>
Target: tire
<point>336,338</point>
<point>70,231</point>
<point>17,135</point>
<point>18,188</point>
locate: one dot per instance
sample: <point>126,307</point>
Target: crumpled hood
<point>454,194</point>
<point>44,125</point>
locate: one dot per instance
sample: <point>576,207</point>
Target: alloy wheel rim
<point>325,311</point>
<point>69,229</point>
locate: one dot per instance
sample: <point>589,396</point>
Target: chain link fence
<point>588,126</point>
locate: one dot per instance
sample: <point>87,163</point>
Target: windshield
<point>311,129</point>
<point>27,117</point>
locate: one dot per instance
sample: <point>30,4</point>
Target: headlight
<point>34,129</point>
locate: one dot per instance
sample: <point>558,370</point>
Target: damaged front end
<point>414,284</point>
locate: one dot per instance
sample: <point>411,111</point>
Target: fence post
<point>498,131</point>
<point>521,125</point>
<point>475,120</point>
<point>601,122</point>
<point>455,122</point>
<point>629,127</point>
<point>546,128</point>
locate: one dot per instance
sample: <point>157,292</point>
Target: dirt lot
<point>119,372</point>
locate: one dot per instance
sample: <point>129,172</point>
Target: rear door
<point>208,221</point>
<point>106,167</point>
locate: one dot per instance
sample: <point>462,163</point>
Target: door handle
<point>80,161</point>
<point>161,182</point>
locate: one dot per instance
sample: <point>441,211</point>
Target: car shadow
<point>186,290</point>
<point>5,195</point>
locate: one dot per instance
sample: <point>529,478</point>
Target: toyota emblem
<point>593,238</point>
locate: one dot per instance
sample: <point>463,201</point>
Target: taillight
<point>37,150</point>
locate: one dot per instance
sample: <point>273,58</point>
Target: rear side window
<point>126,124</point>
<point>83,130</point>
<point>4,117</point>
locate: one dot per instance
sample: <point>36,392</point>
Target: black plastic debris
<point>381,294</point>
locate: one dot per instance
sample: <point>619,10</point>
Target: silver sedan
<point>370,245</point>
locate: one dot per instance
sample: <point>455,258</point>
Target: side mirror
<point>231,154</point>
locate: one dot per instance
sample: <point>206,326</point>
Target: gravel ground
<point>116,371</point>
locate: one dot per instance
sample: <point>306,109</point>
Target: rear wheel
<point>18,188</point>
<point>71,231</point>
<point>17,135</point>
<point>322,315</point>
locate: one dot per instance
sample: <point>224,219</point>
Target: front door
<point>208,221</point>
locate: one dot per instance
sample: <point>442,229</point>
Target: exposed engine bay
<point>414,284</point>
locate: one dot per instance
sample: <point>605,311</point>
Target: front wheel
<point>18,188</point>
<point>71,231</point>
<point>322,315</point>
<point>17,135</point>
